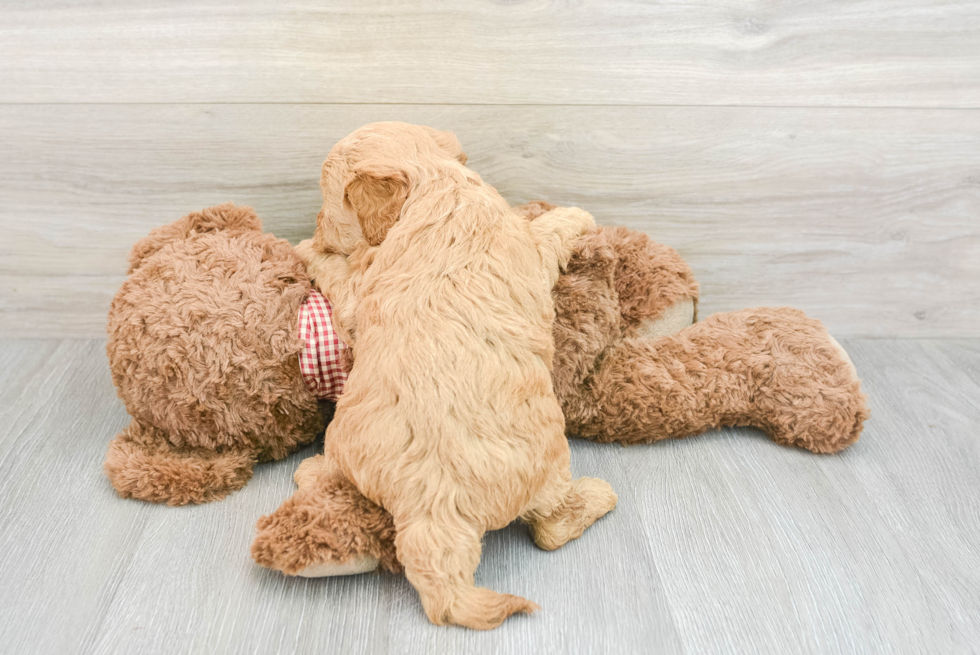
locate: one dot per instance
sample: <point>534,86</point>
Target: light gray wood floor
<point>723,543</point>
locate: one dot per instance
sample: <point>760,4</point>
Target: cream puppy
<point>448,419</point>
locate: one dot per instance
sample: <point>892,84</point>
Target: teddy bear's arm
<point>554,233</point>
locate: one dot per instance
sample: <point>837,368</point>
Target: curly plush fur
<point>203,351</point>
<point>771,368</point>
<point>326,521</point>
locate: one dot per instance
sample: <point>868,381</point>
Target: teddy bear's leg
<point>142,463</point>
<point>774,369</point>
<point>326,528</point>
<point>656,289</point>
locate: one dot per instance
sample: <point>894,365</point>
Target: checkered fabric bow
<point>320,361</point>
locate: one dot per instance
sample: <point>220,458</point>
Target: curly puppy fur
<point>203,351</point>
<point>615,281</point>
<point>448,419</point>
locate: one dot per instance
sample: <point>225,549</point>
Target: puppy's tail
<point>480,608</point>
<point>440,558</point>
<point>141,463</point>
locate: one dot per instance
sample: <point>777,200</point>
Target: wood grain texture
<point>867,219</point>
<point>874,550</point>
<point>721,543</point>
<point>716,52</point>
<point>65,541</point>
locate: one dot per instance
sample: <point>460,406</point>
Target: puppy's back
<point>454,339</point>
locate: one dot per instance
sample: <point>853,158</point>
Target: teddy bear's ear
<point>376,197</point>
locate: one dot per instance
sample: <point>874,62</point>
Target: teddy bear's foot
<point>326,528</point>
<point>774,369</point>
<point>141,463</point>
<point>813,397</point>
<point>307,475</point>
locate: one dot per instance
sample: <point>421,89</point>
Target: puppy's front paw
<point>306,251</point>
<point>574,223</point>
<point>584,220</point>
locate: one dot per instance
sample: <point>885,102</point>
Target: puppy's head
<point>370,174</point>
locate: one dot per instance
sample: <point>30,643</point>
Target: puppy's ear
<point>376,198</point>
<point>448,142</point>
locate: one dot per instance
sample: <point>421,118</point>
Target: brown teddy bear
<point>204,351</point>
<point>626,369</point>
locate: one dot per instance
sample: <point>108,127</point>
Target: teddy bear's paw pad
<point>674,319</point>
<point>358,564</point>
<point>844,356</point>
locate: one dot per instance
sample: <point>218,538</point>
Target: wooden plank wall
<point>822,155</point>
